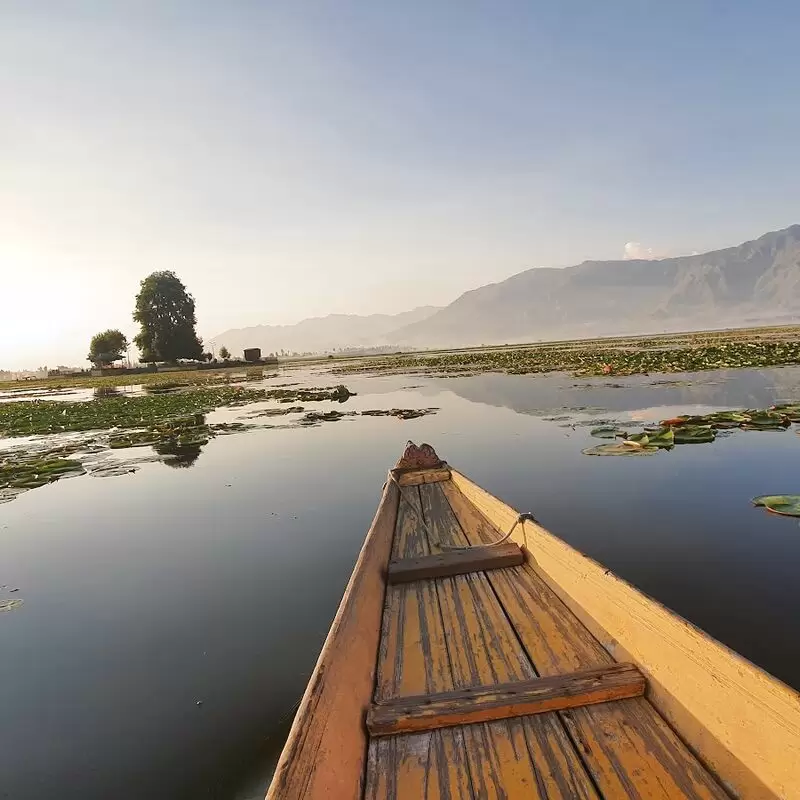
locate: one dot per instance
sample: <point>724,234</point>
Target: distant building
<point>61,369</point>
<point>252,354</point>
<point>29,374</point>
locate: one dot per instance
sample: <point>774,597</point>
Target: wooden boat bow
<point>456,669</point>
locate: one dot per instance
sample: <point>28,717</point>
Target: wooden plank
<point>621,739</point>
<point>420,476</point>
<point>503,701</point>
<point>428,765</point>
<point>413,659</point>
<point>624,745</point>
<point>325,754</point>
<point>413,655</point>
<point>410,540</point>
<point>455,562</point>
<point>523,757</point>
<point>509,758</point>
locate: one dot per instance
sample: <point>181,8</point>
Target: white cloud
<point>636,250</point>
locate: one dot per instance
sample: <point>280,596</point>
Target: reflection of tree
<point>179,456</point>
<point>101,392</point>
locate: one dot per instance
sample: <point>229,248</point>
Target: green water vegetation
<point>30,417</point>
<point>787,505</point>
<point>186,377</point>
<point>69,438</point>
<point>618,356</point>
<point>399,413</point>
<point>337,394</point>
<point>19,473</point>
<point>608,432</point>
<point>171,422</point>
<point>276,412</point>
<point>178,432</point>
<point>624,448</point>
<point>693,429</point>
<point>27,418</point>
<point>315,417</point>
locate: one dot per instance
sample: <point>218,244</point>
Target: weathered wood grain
<point>419,476</point>
<point>455,562</point>
<point>409,540</point>
<point>325,755</point>
<point>503,701</point>
<point>524,757</point>
<point>413,652</point>
<point>622,739</point>
<point>510,758</point>
<point>413,659</point>
<point>428,765</point>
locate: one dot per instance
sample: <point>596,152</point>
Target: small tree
<point>107,346</point>
<point>224,353</point>
<point>165,311</point>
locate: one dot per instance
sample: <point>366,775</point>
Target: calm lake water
<point>147,594</point>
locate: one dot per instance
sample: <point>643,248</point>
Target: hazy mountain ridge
<point>320,334</point>
<point>758,281</point>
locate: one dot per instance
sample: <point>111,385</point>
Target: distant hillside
<point>756,282</point>
<point>322,334</point>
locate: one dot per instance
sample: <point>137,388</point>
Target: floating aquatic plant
<point>621,356</point>
<point>787,505</point>
<point>620,449</point>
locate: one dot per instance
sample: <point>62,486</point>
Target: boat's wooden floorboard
<point>493,627</point>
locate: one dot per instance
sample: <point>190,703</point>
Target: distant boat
<point>465,662</point>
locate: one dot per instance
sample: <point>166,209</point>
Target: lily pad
<point>277,412</point>
<point>727,419</point>
<point>620,449</point>
<point>112,470</point>
<point>790,410</point>
<point>694,434</point>
<point>31,473</point>
<point>401,413</point>
<point>135,439</point>
<point>315,417</point>
<point>787,505</point>
<point>662,437</point>
<point>607,432</point>
<point>766,421</point>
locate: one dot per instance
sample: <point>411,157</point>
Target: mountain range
<point>757,282</point>
<point>323,334</point>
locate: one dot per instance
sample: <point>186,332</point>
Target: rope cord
<point>518,521</point>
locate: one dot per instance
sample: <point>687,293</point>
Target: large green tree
<point>165,312</point>
<point>107,346</point>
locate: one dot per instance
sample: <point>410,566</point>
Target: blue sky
<point>291,159</point>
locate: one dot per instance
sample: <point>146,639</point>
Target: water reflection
<point>147,593</point>
<point>103,392</point>
<point>177,455</point>
<point>541,395</point>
